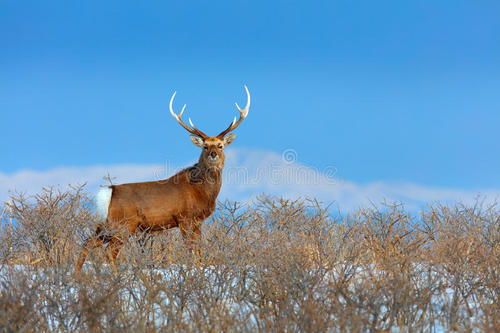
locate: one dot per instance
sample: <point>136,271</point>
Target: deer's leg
<point>196,236</point>
<point>113,249</point>
<point>191,232</point>
<point>145,241</point>
<point>91,243</point>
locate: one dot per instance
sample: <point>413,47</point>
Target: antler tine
<point>244,111</point>
<point>177,117</point>
<point>243,114</point>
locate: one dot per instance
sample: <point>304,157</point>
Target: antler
<point>177,117</point>
<point>243,115</point>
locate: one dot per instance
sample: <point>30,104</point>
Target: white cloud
<point>31,181</point>
<point>280,174</point>
<point>252,172</point>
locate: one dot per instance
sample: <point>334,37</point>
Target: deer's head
<point>212,155</point>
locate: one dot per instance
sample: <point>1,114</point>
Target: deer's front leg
<point>191,232</point>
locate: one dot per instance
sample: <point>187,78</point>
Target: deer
<point>182,201</point>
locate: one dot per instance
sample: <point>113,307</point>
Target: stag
<point>182,201</point>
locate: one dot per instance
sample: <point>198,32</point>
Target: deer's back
<point>158,205</point>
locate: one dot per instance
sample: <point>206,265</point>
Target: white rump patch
<point>103,199</point>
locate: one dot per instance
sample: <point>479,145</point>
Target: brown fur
<point>183,200</point>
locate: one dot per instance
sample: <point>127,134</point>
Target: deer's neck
<point>209,178</point>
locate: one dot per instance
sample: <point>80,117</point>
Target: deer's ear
<point>228,139</point>
<point>196,140</point>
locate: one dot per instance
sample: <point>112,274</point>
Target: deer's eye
<point>205,147</point>
<point>220,146</point>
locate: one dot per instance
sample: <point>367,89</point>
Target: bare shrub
<point>274,265</point>
<point>46,228</point>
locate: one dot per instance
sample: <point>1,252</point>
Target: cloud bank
<point>249,173</point>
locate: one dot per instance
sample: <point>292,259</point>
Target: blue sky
<point>384,91</point>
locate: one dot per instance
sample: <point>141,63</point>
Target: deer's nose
<point>213,154</point>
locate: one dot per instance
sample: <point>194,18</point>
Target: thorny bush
<point>274,265</point>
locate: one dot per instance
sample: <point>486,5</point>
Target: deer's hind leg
<point>91,242</point>
<point>113,249</point>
